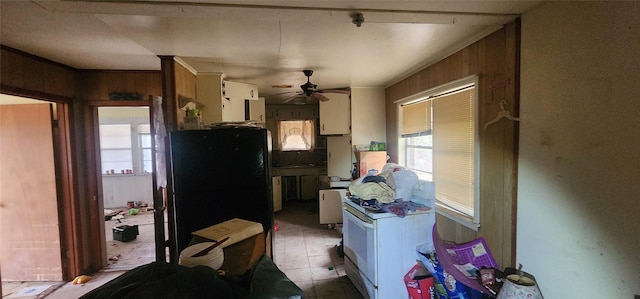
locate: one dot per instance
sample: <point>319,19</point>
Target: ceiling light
<point>357,18</point>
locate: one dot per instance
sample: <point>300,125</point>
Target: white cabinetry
<point>330,205</point>
<point>209,93</point>
<point>223,100</point>
<point>256,110</point>
<point>240,91</point>
<point>335,114</point>
<point>368,115</point>
<point>276,183</point>
<point>339,156</point>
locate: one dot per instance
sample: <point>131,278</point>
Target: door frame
<point>94,172</point>
<point>71,238</point>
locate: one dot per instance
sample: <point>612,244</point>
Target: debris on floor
<point>81,279</point>
<point>114,258</point>
<point>113,214</point>
<point>29,291</point>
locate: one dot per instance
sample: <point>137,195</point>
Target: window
<point>296,135</point>
<point>439,142</point>
<point>416,132</point>
<point>125,140</point>
<point>144,135</point>
<point>116,147</point>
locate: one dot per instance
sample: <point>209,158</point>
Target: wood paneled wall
<point>23,73</point>
<point>496,59</point>
<point>96,85</point>
<point>26,75</point>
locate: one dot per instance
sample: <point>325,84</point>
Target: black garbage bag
<point>168,281</point>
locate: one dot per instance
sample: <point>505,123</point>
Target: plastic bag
<point>404,181</point>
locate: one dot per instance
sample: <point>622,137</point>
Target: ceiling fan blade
<point>292,99</point>
<point>345,90</point>
<point>286,94</point>
<point>320,97</point>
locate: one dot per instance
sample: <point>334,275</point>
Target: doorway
<point>127,188</point>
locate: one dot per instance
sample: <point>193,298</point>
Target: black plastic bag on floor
<point>164,280</point>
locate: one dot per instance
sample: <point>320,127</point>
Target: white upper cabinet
<point>368,115</point>
<point>224,101</point>
<point>335,114</point>
<point>209,93</point>
<point>240,91</point>
<point>256,110</point>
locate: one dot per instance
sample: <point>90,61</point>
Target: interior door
<point>29,228</point>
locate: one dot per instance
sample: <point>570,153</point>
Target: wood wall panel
<point>96,85</point>
<point>185,82</point>
<point>33,76</point>
<point>494,58</point>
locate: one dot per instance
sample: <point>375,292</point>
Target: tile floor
<point>303,249</point>
<point>306,252</point>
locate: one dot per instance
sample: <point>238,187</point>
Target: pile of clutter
<point>465,271</point>
<point>133,208</point>
<point>391,190</point>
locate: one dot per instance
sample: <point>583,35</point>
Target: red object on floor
<point>276,227</point>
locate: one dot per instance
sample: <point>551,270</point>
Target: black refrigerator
<point>220,174</point>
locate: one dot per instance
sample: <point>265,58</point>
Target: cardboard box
<point>244,248</point>
<point>366,161</point>
<point>236,229</point>
<point>419,285</point>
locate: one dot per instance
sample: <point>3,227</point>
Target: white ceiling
<point>260,42</point>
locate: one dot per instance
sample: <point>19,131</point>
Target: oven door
<point>360,242</point>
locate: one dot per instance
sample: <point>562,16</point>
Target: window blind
<point>416,118</point>
<point>453,145</point>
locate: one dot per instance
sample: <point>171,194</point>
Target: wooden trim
<point>67,208</point>
<point>169,107</point>
<point>119,103</point>
<point>33,94</point>
<point>516,137</point>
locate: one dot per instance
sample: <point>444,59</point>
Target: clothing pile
<point>388,191</point>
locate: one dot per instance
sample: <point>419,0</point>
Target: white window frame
<point>136,142</point>
<point>473,221</point>
<point>309,145</point>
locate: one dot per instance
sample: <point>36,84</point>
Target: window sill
<point>457,217</point>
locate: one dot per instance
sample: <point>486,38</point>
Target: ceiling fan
<point>310,90</point>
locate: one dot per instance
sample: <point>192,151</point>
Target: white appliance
<point>380,248</point>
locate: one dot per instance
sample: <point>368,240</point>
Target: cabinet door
<point>308,186</point>
<point>335,114</point>
<point>209,93</point>
<point>339,157</point>
<point>276,181</point>
<point>368,104</point>
<point>330,206</point>
<point>257,110</point>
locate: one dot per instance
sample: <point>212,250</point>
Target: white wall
<point>579,157</point>
<point>119,189</point>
